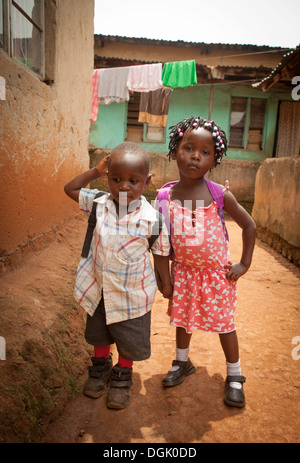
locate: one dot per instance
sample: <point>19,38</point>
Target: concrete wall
<point>276,207</point>
<point>44,128</point>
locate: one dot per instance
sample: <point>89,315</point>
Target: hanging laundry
<point>145,77</point>
<point>113,85</point>
<point>179,74</point>
<point>95,105</point>
<point>154,107</point>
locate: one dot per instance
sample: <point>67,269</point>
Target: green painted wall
<point>110,128</point>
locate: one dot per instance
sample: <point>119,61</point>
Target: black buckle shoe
<point>235,397</point>
<point>176,377</point>
<point>99,375</point>
<point>119,395</point>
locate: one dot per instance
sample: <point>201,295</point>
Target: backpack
<point>215,190</point>
<point>92,223</point>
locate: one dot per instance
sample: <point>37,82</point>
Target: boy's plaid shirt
<point>118,262</point>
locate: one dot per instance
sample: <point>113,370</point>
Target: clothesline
<point>115,84</point>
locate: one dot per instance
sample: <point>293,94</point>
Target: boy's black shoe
<point>119,388</point>
<point>176,377</point>
<point>99,375</point>
<point>235,397</point>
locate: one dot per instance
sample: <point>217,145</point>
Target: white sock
<point>182,355</point>
<point>234,369</point>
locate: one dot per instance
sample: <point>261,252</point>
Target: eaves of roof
<point>180,43</point>
<point>127,62</point>
<point>274,76</point>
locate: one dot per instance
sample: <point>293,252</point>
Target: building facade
<point>223,93</point>
<point>46,63</point>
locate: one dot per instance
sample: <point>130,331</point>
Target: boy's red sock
<point>124,363</point>
<point>102,352</point>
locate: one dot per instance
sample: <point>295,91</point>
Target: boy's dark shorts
<point>132,337</point>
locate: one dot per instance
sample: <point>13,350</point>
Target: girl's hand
<point>162,274</point>
<point>235,271</point>
<point>102,166</point>
<point>167,291</point>
<point>158,279</point>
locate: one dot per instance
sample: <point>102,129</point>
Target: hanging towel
<point>95,84</point>
<point>154,107</point>
<point>113,85</point>
<point>145,77</point>
<point>179,74</point>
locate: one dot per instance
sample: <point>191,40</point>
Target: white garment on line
<point>113,85</point>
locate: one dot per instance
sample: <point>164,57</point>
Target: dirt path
<point>267,322</point>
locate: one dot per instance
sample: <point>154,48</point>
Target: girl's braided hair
<point>191,123</point>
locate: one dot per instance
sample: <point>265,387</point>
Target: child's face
<point>195,154</point>
<point>127,177</point>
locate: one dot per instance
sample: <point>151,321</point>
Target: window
<point>134,127</point>
<point>237,122</point>
<point>154,134</point>
<point>247,123</point>
<point>256,125</point>
<point>22,32</point>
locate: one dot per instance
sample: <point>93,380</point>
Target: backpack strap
<point>90,227</point>
<point>216,192</point>
<point>218,195</point>
<point>154,236</point>
<point>161,202</point>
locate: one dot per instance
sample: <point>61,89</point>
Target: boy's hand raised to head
<point>102,165</point>
<point>73,187</point>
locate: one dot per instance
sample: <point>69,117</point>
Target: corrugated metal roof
<point>219,66</point>
<point>181,43</point>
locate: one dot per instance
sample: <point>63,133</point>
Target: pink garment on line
<point>95,105</point>
<point>203,298</point>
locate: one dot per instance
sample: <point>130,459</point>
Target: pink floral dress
<point>203,298</point>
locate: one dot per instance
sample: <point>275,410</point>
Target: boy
<point>116,284</point>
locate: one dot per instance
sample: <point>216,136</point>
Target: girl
<point>204,280</point>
